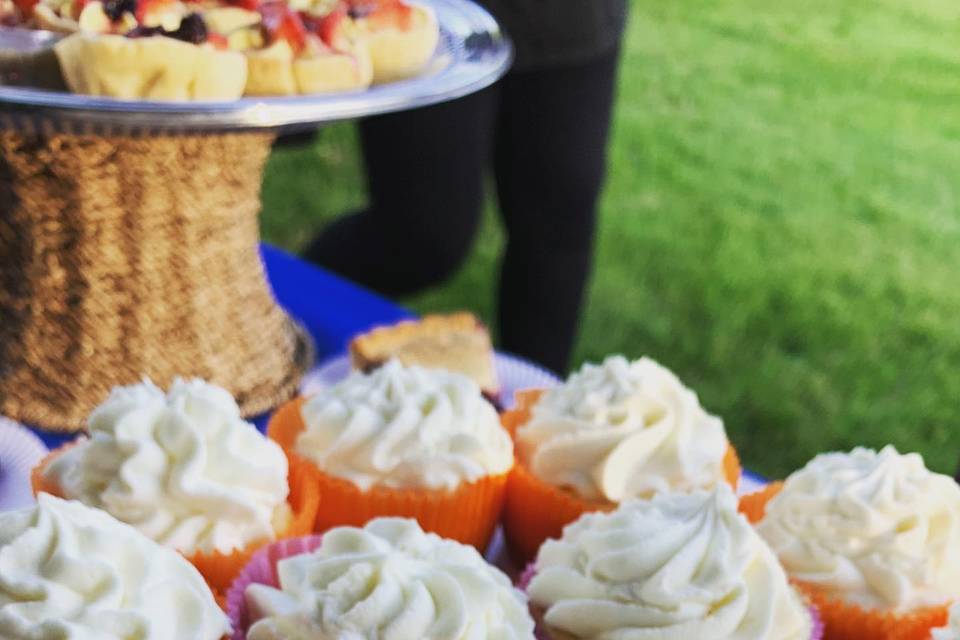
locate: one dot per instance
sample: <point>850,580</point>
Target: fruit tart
<point>139,49</point>
<point>316,49</point>
<point>401,36</point>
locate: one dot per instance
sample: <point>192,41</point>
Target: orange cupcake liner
<point>219,569</point>
<point>754,505</point>
<point>468,514</point>
<point>39,482</point>
<point>535,510</point>
<point>843,620</point>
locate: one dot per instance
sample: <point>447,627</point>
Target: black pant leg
<point>550,163</point>
<point>425,183</point>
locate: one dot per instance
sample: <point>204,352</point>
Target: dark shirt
<point>548,33</point>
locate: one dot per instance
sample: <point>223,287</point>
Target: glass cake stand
<point>129,231</point>
<point>472,54</point>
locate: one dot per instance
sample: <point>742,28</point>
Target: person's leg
<point>425,184</point>
<point>550,165</point>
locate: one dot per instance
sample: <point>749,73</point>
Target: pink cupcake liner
<point>262,569</point>
<point>816,632</point>
<point>818,629</point>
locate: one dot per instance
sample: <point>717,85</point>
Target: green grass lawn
<point>781,225</point>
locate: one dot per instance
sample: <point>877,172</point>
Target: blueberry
<point>116,8</point>
<point>192,29</point>
<point>361,10</point>
<point>144,32</point>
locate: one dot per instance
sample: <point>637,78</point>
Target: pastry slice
<point>457,342</point>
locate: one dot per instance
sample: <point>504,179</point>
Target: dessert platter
<point>365,509</point>
<point>216,65</point>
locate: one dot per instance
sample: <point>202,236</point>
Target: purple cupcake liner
<point>816,631</point>
<point>262,569</point>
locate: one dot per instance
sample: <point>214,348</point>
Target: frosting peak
<point>623,430</point>
<point>874,528</point>
<point>676,567</point>
<point>405,427</point>
<point>389,580</point>
<point>183,467</point>
<point>69,572</point>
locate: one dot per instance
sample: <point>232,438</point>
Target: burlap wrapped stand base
<point>124,256</point>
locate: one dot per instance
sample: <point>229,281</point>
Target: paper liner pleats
<point>535,511</point>
<point>847,621</point>
<point>220,569</point>
<point>467,514</point>
<point>262,569</point>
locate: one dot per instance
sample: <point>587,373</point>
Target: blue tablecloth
<point>330,308</point>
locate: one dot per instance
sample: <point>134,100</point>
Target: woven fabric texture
<point>124,257</point>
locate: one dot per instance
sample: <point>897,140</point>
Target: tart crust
<point>403,53</point>
<point>276,71</point>
<point>154,68</point>
<point>457,342</point>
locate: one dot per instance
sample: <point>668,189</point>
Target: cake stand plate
<point>472,54</point>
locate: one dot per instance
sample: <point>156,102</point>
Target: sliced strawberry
<point>281,23</point>
<point>249,5</point>
<point>218,41</point>
<point>78,7</point>
<point>330,28</point>
<point>26,7</point>
<point>391,13</point>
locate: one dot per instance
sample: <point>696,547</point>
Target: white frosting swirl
<point>405,427</point>
<point>952,630</point>
<point>876,529</point>
<point>69,572</point>
<point>623,430</point>
<point>184,468</point>
<point>389,581</point>
<point>676,567</point>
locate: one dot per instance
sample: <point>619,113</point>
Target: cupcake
<point>187,471</point>
<point>69,571</point>
<point>388,579</point>
<point>952,630</point>
<point>611,432</point>
<point>872,537</point>
<point>678,566</point>
<point>402,441</point>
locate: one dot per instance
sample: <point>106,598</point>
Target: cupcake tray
<point>473,53</point>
